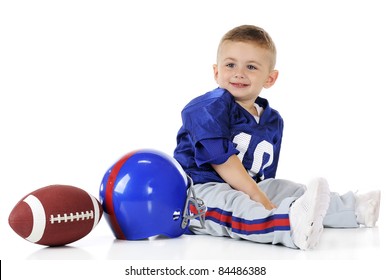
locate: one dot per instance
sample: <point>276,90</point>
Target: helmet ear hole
<point>176,214</point>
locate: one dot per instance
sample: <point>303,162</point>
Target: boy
<point>229,145</point>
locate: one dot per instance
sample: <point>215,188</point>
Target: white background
<point>84,82</point>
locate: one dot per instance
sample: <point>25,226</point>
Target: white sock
<point>367,208</point>
<point>307,214</point>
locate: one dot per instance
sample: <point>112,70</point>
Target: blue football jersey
<point>215,127</point>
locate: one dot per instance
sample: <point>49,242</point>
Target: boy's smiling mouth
<point>239,85</point>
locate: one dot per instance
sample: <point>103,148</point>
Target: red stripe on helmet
<point>109,194</point>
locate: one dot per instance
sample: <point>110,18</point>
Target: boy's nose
<point>239,74</point>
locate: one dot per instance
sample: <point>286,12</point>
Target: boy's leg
<point>232,213</point>
<point>307,212</point>
<point>279,189</point>
<point>350,210</point>
<point>341,211</point>
<point>345,211</point>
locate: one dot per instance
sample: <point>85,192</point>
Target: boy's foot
<point>367,208</point>
<point>307,214</point>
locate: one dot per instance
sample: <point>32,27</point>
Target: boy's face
<point>244,69</point>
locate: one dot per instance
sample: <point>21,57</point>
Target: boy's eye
<point>230,65</point>
<point>251,67</point>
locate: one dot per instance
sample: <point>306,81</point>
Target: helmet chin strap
<point>199,205</point>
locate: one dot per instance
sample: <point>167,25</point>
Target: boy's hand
<point>263,199</point>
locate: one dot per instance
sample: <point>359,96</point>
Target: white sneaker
<point>367,208</point>
<point>307,214</point>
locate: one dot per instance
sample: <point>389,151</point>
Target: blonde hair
<point>251,34</point>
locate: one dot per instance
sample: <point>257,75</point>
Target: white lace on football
<point>72,217</point>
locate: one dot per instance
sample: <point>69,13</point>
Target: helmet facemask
<point>194,207</point>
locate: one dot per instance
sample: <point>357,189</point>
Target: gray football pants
<point>232,213</point>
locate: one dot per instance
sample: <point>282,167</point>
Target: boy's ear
<point>272,77</point>
<point>215,68</point>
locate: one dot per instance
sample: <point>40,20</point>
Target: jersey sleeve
<point>214,151</point>
<point>207,124</point>
<point>207,119</point>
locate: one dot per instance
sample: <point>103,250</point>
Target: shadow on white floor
<point>345,244</point>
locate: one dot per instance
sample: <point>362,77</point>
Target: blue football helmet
<point>147,193</point>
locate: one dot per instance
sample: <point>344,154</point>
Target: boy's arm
<point>233,172</point>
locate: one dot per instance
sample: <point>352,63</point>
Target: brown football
<point>55,215</point>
